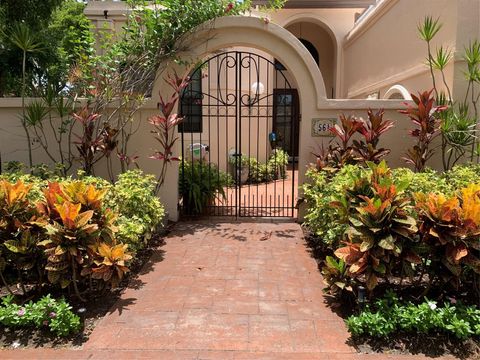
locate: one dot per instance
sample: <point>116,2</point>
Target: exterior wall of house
<point>325,46</point>
<point>384,49</point>
<point>334,22</point>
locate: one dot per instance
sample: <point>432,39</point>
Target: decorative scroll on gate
<point>239,138</point>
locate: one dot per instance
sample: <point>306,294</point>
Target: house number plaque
<point>321,127</point>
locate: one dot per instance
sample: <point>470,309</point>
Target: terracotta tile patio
<point>221,291</point>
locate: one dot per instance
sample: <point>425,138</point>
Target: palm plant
<point>427,31</point>
<point>23,38</point>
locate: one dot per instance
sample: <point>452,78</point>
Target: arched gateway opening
<point>240,137</point>
<point>243,117</point>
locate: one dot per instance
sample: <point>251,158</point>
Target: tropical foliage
<point>450,226</point>
<point>62,33</point>
<point>425,118</point>
<point>200,185</point>
<point>378,225</point>
<point>346,149</point>
<point>458,124</point>
<point>78,234</point>
<point>275,168</point>
<point>380,230</point>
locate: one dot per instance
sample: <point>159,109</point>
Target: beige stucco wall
<point>384,49</point>
<point>336,22</point>
<point>325,46</point>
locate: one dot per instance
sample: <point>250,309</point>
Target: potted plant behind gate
<point>201,184</point>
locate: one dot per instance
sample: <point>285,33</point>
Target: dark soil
<point>432,345</point>
<point>95,308</point>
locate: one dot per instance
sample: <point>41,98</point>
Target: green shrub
<point>422,182</point>
<point>274,169</point>
<point>327,222</point>
<point>393,224</point>
<point>380,235</point>
<point>132,197</point>
<point>450,228</point>
<point>140,210</point>
<point>277,164</point>
<point>463,175</point>
<point>37,184</point>
<point>388,316</point>
<point>67,237</point>
<point>56,315</point>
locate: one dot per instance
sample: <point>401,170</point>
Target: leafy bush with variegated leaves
<point>380,233</point>
<point>450,226</point>
<point>140,211</point>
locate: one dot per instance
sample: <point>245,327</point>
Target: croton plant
<point>451,228</point>
<point>69,236</point>
<point>379,230</point>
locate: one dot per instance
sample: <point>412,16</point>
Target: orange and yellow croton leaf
<point>92,197</point>
<point>68,213</point>
<point>471,203</point>
<point>14,193</point>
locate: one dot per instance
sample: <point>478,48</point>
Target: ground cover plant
<point>389,315</point>
<point>56,315</point>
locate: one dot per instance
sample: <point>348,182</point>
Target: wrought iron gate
<point>239,138</point>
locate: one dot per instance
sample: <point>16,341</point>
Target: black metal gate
<point>239,138</point>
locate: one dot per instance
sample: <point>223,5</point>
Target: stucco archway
<point>397,92</point>
<point>324,28</point>
<point>253,32</point>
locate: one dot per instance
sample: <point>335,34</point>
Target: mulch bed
<point>432,345</point>
<point>96,308</point>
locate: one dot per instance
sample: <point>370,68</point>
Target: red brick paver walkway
<point>221,291</point>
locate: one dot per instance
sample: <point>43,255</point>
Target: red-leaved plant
<point>424,117</point>
<point>96,140</point>
<point>346,150</point>
<point>371,132</point>
<point>164,125</point>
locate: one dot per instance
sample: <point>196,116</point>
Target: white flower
<point>432,305</point>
